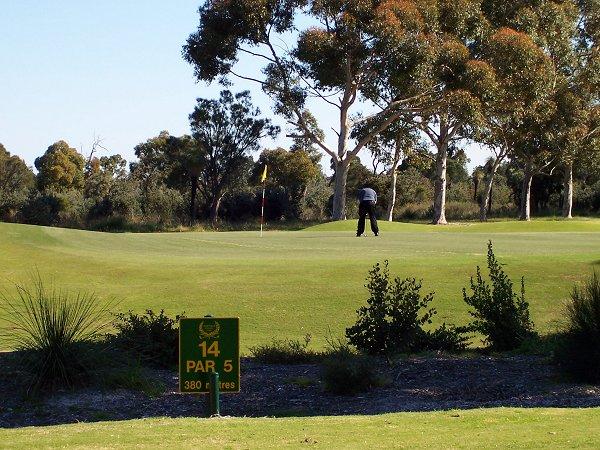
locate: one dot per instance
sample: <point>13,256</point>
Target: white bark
<point>439,201</point>
<point>568,191</point>
<point>526,195</point>
<point>393,180</point>
<point>339,192</point>
<point>489,183</point>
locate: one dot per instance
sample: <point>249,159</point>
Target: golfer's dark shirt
<point>367,195</point>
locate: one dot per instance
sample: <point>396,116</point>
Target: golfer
<point>368,199</point>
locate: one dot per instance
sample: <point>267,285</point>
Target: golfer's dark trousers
<point>365,208</point>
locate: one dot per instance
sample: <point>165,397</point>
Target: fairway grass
<point>483,428</point>
<point>288,284</point>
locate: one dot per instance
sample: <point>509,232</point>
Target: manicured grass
<point>288,284</point>
<point>491,428</point>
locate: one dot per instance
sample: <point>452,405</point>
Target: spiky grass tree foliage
<point>500,314</point>
<point>579,353</point>
<point>55,332</point>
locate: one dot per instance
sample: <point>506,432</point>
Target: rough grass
<point>489,428</point>
<point>288,284</point>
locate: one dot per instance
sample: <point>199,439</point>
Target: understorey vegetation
<point>65,340</point>
<point>578,352</point>
<point>499,313</point>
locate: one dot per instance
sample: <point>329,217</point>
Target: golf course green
<point>288,284</point>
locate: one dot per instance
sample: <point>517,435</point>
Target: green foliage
<point>133,377</point>
<point>446,338</point>
<point>290,172</point>
<point>56,332</point>
<point>152,338</point>
<point>578,355</point>
<point>500,314</point>
<point>285,351</point>
<point>16,182</point>
<point>60,168</point>
<point>393,320</point>
<point>226,132</point>
<point>347,373</point>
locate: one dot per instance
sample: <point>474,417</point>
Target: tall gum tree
<point>333,61</point>
<point>525,76</point>
<point>453,80</point>
<point>567,31</point>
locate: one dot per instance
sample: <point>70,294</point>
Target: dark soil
<point>415,384</point>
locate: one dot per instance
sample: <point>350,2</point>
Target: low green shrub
<point>578,353</point>
<point>56,334</point>
<point>447,338</point>
<point>132,377</point>
<point>150,338</point>
<point>347,373</point>
<point>285,351</point>
<point>500,314</point>
<point>393,320</point>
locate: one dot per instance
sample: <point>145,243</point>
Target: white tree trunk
<point>393,180</point>
<point>439,200</point>
<point>568,191</point>
<point>339,192</point>
<point>526,195</point>
<point>489,183</point>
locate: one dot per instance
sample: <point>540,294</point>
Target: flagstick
<point>262,211</point>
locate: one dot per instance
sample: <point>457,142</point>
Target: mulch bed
<point>415,384</point>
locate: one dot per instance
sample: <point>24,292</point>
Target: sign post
<point>209,357</point>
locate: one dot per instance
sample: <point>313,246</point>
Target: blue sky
<point>73,70</point>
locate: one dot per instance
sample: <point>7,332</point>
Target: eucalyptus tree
<point>454,82</point>
<point>389,149</point>
<point>16,182</point>
<point>60,169</point>
<point>340,49</point>
<point>564,29</point>
<point>524,75</point>
<point>226,131</point>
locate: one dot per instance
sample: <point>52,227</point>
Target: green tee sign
<point>209,345</point>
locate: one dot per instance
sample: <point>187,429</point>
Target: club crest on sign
<point>209,330</point>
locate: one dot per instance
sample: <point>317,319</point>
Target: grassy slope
<point>492,428</point>
<point>291,283</point>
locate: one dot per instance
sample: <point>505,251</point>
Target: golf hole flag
<point>263,177</point>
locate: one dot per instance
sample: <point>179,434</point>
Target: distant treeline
<point>156,192</point>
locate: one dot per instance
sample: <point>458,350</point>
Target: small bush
<point>56,334</point>
<point>578,355</point>
<point>132,377</point>
<point>346,373</point>
<point>500,314</point>
<point>285,351</point>
<point>393,320</point>
<point>446,338</point>
<point>152,338</point>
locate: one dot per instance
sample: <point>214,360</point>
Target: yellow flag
<point>264,175</point>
